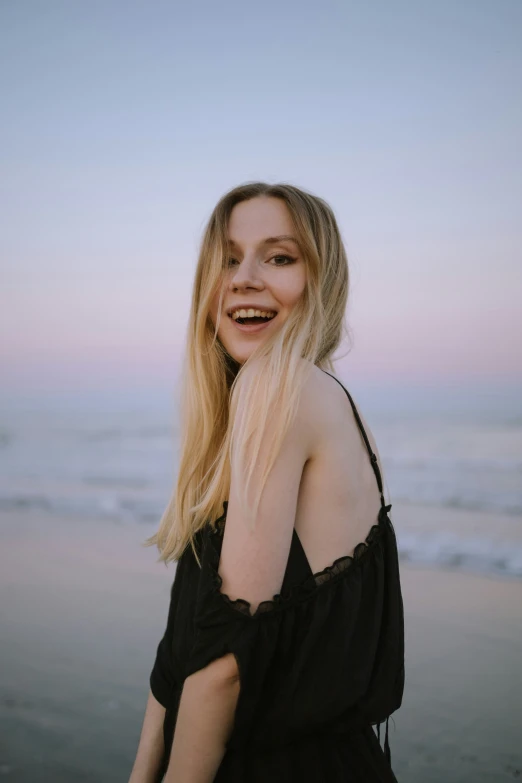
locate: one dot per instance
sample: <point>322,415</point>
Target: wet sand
<point>83,607</point>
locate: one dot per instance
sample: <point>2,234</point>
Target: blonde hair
<point>225,407</point>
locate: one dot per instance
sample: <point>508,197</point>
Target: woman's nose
<point>247,273</point>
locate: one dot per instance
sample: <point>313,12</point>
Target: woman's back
<point>339,498</point>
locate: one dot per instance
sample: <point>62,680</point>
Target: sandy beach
<point>83,607</point>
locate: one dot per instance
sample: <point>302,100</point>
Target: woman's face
<point>264,271</point>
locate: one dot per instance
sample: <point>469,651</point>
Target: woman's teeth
<point>250,313</point>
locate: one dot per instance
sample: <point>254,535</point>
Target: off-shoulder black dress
<point>320,665</point>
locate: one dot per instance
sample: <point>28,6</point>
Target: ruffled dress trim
<point>224,625</point>
<point>303,590</point>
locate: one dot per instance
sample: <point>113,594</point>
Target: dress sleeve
<point>159,682</point>
<point>306,658</point>
<point>162,678</point>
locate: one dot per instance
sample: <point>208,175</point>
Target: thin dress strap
<point>373,457</point>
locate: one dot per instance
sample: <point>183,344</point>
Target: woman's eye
<point>288,260</point>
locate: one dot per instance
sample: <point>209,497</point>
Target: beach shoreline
<point>85,605</point>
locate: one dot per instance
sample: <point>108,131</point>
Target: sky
<point>125,122</point>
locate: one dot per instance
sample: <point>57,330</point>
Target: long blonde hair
<point>225,407</point>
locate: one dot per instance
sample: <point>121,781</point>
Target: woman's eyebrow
<point>276,240</point>
<point>270,240</point>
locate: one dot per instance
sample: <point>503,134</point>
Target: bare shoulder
<point>323,402</point>
<point>327,410</point>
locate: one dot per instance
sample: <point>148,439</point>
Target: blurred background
<point>123,124</point>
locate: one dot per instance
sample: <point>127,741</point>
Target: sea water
<point>114,457</point>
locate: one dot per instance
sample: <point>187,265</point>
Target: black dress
<point>320,664</point>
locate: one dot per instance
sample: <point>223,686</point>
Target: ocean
<point>113,457</point>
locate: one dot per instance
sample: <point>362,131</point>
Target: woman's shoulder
<point>324,399</point>
<point>335,410</point>
<point>321,406</point>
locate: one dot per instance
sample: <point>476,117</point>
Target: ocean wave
<point>507,504</point>
<point>119,433</point>
<point>120,509</point>
<point>476,552</point>
<point>480,553</point>
<point>116,482</point>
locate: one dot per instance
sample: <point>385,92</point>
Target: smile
<point>252,328</point>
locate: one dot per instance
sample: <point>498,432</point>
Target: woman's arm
<point>204,722</point>
<point>151,747</point>
<point>252,565</point>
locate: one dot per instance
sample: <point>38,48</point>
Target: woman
<point>284,643</point>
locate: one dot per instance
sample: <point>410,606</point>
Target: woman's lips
<point>252,328</point>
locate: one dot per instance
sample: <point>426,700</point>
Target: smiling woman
<point>284,642</point>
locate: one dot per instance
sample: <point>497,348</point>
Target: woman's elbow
<point>221,670</point>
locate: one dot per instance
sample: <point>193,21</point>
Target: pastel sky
<point>124,123</point>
